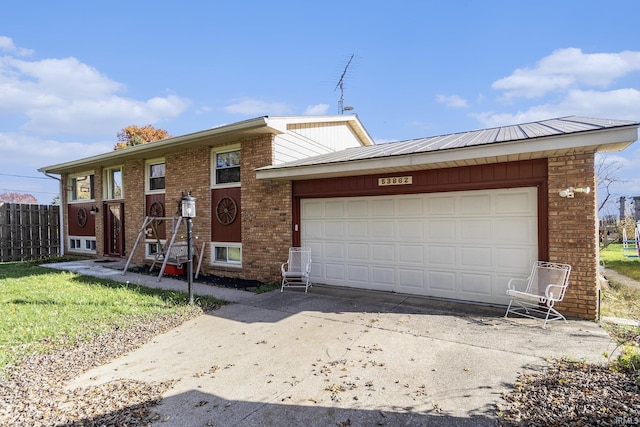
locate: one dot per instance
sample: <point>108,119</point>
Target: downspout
<point>60,213</point>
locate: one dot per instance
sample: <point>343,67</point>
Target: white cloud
<point>453,101</point>
<point>568,68</point>
<point>67,96</point>
<point>257,107</point>
<point>622,104</point>
<point>6,45</point>
<point>316,110</point>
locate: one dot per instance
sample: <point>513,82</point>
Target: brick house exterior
<point>287,161</point>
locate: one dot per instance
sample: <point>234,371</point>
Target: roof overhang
<point>217,136</point>
<point>603,140</point>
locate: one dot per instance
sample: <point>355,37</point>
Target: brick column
<point>573,232</point>
<point>266,214</point>
<point>133,187</point>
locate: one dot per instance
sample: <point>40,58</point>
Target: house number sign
<point>395,180</point>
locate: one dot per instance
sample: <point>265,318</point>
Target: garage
<point>462,245</point>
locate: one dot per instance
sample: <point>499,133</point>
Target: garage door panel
<point>476,257</point>
<point>357,208</point>
<point>513,203</point>
<point>515,230</point>
<point>411,230</point>
<point>358,274</point>
<point>411,254</point>
<point>411,278</point>
<point>440,206</point>
<point>475,285</point>
<point>441,280</point>
<point>479,230</point>
<point>312,230</point>
<point>383,254</point>
<point>383,230</point>
<point>411,206</point>
<point>334,209</point>
<point>332,250</point>
<point>357,230</point>
<point>331,271</point>
<point>334,230</point>
<point>461,245</point>
<point>313,209</point>
<point>474,204</point>
<point>443,256</point>
<point>441,230</point>
<point>383,277</point>
<point>358,252</point>
<point>383,207</point>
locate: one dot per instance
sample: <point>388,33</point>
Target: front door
<point>114,229</point>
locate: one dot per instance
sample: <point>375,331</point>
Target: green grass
<point>614,259</point>
<point>43,310</point>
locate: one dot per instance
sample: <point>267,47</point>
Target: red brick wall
<point>133,186</point>
<point>573,233</point>
<point>266,214</point>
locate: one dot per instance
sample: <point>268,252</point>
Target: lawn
<point>614,259</point>
<point>44,310</point>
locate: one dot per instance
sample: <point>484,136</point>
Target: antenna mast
<point>340,85</point>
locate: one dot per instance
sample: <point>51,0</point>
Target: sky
<point>74,73</point>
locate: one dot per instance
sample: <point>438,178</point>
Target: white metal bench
<point>545,286</point>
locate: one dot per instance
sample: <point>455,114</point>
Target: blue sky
<point>73,73</point>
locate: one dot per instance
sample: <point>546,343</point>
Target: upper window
<point>155,176</point>
<point>113,183</point>
<point>81,187</point>
<point>227,167</point>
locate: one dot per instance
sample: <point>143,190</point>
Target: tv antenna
<point>341,107</point>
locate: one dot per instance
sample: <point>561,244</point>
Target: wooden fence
<point>28,231</point>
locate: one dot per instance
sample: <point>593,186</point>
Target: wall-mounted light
<point>569,193</point>
<point>94,210</point>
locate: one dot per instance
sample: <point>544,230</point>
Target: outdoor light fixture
<point>94,210</point>
<point>188,207</point>
<point>569,193</point>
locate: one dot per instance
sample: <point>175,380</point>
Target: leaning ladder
<point>631,247</point>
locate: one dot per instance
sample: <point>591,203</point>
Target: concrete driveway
<point>340,357</point>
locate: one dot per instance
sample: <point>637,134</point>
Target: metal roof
<point>498,137</point>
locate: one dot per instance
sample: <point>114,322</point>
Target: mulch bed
<point>207,279</point>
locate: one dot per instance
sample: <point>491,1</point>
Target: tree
<point>606,172</point>
<point>134,135</point>
<point>26,199</point>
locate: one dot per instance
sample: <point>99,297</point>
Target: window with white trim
<point>113,183</point>
<point>225,253</point>
<point>226,166</point>
<point>81,187</point>
<point>152,248</point>
<point>155,176</point>
<point>82,244</point>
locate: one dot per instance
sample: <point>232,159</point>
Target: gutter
<point>60,213</point>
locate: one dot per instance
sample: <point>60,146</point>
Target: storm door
<point>114,229</point>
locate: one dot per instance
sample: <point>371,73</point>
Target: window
<point>81,187</point>
<point>113,183</point>
<point>82,244</point>
<point>153,248</point>
<point>155,176</point>
<point>225,253</point>
<point>227,167</point>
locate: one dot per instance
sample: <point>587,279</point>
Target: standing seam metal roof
<point>526,131</point>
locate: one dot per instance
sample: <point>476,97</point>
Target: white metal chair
<point>295,272</point>
<point>545,286</point>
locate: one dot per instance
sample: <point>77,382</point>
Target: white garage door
<point>462,245</point>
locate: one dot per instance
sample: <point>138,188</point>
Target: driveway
<point>340,357</point>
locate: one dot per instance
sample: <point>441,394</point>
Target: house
<point>452,216</point>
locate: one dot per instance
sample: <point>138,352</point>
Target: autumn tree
<point>26,199</point>
<point>134,135</point>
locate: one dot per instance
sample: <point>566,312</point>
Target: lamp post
<point>188,206</point>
